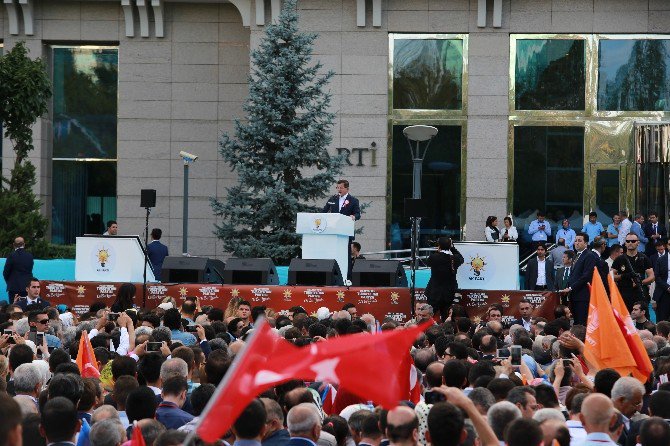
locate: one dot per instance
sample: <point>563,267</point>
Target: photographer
<point>633,273</point>
<point>442,284</point>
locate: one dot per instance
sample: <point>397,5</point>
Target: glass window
<point>85,102</point>
<point>84,198</point>
<point>440,187</point>
<point>549,74</point>
<point>548,175</point>
<point>428,74</point>
<point>634,75</point>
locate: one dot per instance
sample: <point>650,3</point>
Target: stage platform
<point>380,302</point>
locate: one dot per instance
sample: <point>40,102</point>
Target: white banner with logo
<point>488,266</point>
<point>110,259</point>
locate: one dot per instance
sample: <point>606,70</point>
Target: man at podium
<point>343,203</point>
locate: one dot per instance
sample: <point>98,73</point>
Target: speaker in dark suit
<point>18,270</point>
<point>662,289</point>
<point>580,276</point>
<point>344,204</point>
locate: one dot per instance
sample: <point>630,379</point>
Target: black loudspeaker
<point>192,270</point>
<point>378,273</point>
<point>415,207</point>
<point>148,198</point>
<point>250,272</point>
<point>315,272</point>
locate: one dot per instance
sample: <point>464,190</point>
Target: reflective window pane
<point>548,176</point>
<point>549,74</point>
<point>84,198</point>
<point>428,74</point>
<point>634,75</point>
<point>85,82</point>
<point>440,187</point>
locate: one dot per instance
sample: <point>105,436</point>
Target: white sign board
<point>111,259</point>
<point>488,266</point>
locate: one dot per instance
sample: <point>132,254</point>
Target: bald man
<point>402,427</point>
<point>597,415</point>
<point>18,270</point>
<point>304,425</point>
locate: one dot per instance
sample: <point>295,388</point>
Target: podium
<point>326,236</point>
<point>111,258</point>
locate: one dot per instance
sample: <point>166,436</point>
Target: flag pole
<point>227,377</point>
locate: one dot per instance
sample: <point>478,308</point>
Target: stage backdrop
<point>380,302</point>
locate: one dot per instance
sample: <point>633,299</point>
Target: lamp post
<point>418,139</point>
<point>188,158</point>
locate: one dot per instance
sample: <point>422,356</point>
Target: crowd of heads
<point>160,367</point>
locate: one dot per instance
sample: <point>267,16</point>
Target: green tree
<point>24,92</point>
<point>279,152</point>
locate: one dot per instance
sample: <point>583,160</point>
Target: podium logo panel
<point>319,224</point>
<point>103,258</point>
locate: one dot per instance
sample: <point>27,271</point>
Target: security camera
<point>188,157</point>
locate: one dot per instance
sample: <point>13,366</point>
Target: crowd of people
<point>526,384</point>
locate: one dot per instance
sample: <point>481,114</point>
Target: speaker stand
<point>146,258</point>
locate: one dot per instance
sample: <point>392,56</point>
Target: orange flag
<point>604,346</point>
<point>643,363</point>
<point>86,362</point>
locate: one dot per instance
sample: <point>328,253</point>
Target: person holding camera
<point>539,229</point>
<point>442,285</point>
<point>633,273</point>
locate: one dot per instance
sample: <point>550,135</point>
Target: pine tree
<point>24,92</point>
<point>279,152</point>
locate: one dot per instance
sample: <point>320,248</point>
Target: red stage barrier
<point>380,302</point>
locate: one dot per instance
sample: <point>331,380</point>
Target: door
<point>608,193</point>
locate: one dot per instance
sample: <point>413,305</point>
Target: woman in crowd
<point>125,298</point>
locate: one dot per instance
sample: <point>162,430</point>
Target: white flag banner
<point>488,266</point>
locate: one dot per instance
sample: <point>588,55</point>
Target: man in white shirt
<point>624,227</point>
<point>577,432</point>
<point>596,417</point>
<point>540,271</point>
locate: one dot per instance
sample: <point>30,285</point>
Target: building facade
<point>536,103</point>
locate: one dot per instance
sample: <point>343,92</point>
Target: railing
<point>403,255</point>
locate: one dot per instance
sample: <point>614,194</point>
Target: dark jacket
<point>581,275</point>
<point>157,253</point>
<point>171,416</point>
<point>531,273</point>
<point>661,277</point>
<point>18,271</point>
<point>443,269</point>
<point>41,303</point>
<point>649,231</point>
<point>277,438</point>
<point>352,206</point>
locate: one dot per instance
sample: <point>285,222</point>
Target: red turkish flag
<point>88,366</point>
<point>368,366</point>
<point>137,439</point>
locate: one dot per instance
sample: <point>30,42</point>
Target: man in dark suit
<point>526,313</point>
<point>157,252</point>
<point>658,407</point>
<point>580,276</point>
<point>343,203</point>
<point>662,290</point>
<point>563,272</point>
<point>540,271</point>
<point>659,251</point>
<point>654,231</point>
<point>33,296</point>
<point>304,425</point>
<point>18,269</point>
<point>442,284</point>
<point>275,433</point>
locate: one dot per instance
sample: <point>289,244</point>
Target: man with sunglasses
<point>633,273</point>
<point>40,320</point>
